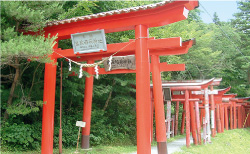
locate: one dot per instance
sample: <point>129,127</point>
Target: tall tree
<point>242,24</point>
<point>15,47</point>
<point>216,19</point>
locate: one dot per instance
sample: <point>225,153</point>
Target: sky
<point>224,9</point>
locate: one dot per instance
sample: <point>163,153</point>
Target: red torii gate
<point>219,121</point>
<point>136,18</point>
<point>188,87</point>
<point>238,103</point>
<point>225,100</point>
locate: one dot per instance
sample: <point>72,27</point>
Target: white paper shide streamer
<point>70,65</point>
<point>80,75</point>
<point>96,71</point>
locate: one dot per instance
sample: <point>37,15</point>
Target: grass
<point>235,141</point>
<point>99,149</point>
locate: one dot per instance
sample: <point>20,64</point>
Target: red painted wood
<point>158,100</point>
<point>226,117</point>
<point>198,122</point>
<point>164,67</point>
<point>183,118</point>
<point>157,49</point>
<point>166,14</point>
<point>48,107</point>
<point>239,116</point>
<point>222,117</point>
<point>142,91</point>
<point>234,116</point>
<point>204,130</point>
<point>193,123</point>
<point>176,117</point>
<point>152,115</point>
<point>231,115</point>
<point>202,115</point>
<point>187,119</point>
<point>87,106</point>
<point>218,118</point>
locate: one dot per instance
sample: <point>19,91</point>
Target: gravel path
<point>172,146</point>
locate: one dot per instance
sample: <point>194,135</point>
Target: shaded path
<point>172,146</point>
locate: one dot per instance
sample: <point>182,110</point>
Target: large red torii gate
<point>137,18</point>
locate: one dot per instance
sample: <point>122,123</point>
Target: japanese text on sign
<point>121,62</point>
<point>88,42</point>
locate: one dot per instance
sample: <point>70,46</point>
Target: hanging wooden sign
<point>167,94</point>
<point>121,62</point>
<point>87,42</point>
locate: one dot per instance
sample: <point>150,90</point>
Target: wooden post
<point>176,118</point>
<point>172,125</point>
<point>142,90</point>
<point>48,107</point>
<point>239,116</point>
<point>187,118</point>
<point>192,115</point>
<point>202,115</point>
<point>60,130</point>
<point>222,117</point>
<point>168,118</point>
<point>159,106</point>
<point>218,118</point>
<point>212,112</point>
<point>204,131</point>
<point>207,114</point>
<point>226,117</point>
<point>152,115</point>
<point>183,119</point>
<point>231,115</point>
<point>244,116</point>
<point>87,107</point>
<point>198,121</point>
<point>235,121</point>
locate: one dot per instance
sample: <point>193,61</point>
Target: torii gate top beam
<point>178,85</point>
<point>240,99</point>
<point>162,13</point>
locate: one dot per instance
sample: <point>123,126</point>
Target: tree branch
<point>33,80</point>
<point>109,97</point>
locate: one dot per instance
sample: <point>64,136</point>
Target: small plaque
<point>87,42</point>
<point>121,62</point>
<point>80,124</point>
<point>167,94</point>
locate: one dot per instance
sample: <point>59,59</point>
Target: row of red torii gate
<point>147,52</point>
<point>203,107</point>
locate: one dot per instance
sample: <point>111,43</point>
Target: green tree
<point>17,17</point>
<point>216,19</point>
<point>241,23</point>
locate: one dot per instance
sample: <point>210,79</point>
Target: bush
<point>21,136</point>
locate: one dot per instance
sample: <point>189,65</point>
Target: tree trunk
<point>109,97</point>
<point>12,90</point>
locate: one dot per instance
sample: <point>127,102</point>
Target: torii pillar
<point>142,90</point>
<point>49,106</point>
<point>87,107</point>
<point>159,106</point>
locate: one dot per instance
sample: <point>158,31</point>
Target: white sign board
<point>87,42</point>
<point>80,124</point>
